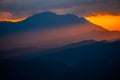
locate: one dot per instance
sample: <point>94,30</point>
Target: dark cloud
<point>19,8</point>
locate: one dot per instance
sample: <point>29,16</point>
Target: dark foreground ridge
<point>87,60</point>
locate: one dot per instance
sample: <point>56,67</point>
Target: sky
<point>105,13</point>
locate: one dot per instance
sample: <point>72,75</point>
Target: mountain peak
<point>51,19</point>
<point>41,15</point>
<point>48,12</point>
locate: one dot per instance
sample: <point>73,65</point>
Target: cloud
<point>23,8</point>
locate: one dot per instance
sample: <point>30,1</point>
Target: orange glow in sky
<point>6,16</point>
<point>12,20</point>
<point>110,22</point>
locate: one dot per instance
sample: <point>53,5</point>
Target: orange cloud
<point>108,21</point>
<point>6,16</point>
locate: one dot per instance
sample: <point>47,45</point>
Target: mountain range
<point>49,30</point>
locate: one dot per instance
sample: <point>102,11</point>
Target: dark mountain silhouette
<point>79,61</point>
<point>43,20</point>
<point>47,19</point>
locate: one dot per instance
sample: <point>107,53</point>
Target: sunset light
<point>110,22</point>
<point>12,20</point>
<point>7,16</point>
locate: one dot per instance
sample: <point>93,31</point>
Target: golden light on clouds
<point>110,22</point>
<point>12,20</point>
<point>6,16</point>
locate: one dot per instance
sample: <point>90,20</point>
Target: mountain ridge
<point>48,35</point>
<point>44,18</point>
